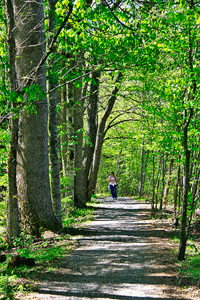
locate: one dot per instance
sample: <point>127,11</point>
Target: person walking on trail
<point>112,185</point>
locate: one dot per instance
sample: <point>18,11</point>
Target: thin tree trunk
<point>186,185</point>
<point>79,200</point>
<point>153,189</point>
<point>176,191</point>
<point>163,182</point>
<point>141,186</point>
<point>63,130</point>
<point>158,182</point>
<point>180,193</point>
<point>12,204</point>
<point>145,167</point>
<point>119,163</point>
<point>168,183</point>
<point>186,166</point>
<point>70,146</point>
<point>196,175</point>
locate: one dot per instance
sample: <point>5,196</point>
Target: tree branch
<point>50,50</point>
<point>119,122</point>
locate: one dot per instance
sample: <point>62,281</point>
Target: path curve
<point>122,255</point>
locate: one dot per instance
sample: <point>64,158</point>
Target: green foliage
<point>74,217</point>
<point>190,267</point>
<point>3,206</point>
<point>45,251</point>
<point>26,100</point>
<point>156,45</point>
<point>24,240</point>
<point>65,182</point>
<point>6,287</point>
<point>4,142</point>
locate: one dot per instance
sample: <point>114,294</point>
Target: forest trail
<point>123,254</point>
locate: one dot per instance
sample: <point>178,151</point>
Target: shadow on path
<point>119,256</point>
<point>104,296</point>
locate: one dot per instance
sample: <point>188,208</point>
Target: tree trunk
<point>91,128</point>
<point>159,172</point>
<point>100,138</point>
<point>79,200</point>
<point>153,187</point>
<point>168,183</point>
<point>196,175</point>
<point>176,191</point>
<point>186,179</point>
<point>12,205</point>
<point>63,126</point>
<point>70,146</point>
<point>32,155</point>
<point>163,182</point>
<point>141,185</point>
<point>53,132</point>
<point>63,137</point>
<point>187,115</point>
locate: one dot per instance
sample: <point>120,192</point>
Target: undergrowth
<point>47,252</point>
<point>190,267</point>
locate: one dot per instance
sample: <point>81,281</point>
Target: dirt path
<point>123,254</point>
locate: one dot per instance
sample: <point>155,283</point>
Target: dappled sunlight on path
<point>120,255</point>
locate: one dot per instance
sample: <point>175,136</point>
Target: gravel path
<point>123,254</point>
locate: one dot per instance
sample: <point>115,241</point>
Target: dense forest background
<point>90,87</point>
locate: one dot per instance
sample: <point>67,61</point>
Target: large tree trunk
<point>100,138</point>
<point>91,128</point>
<point>12,205</point>
<point>32,156</point>
<point>53,138</point>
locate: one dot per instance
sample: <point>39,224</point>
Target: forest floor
<point>122,254</point>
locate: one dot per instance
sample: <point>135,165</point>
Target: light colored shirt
<point>112,180</point>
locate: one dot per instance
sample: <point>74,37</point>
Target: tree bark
<point>63,137</point>
<point>79,200</point>
<point>53,132</point>
<point>176,191</point>
<point>168,183</point>
<point>91,128</point>
<point>186,184</point>
<point>141,184</point>
<point>63,128</point>
<point>71,133</point>
<point>162,182</point>
<point>187,116</point>
<point>12,204</point>
<point>32,155</point>
<point>153,187</point>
